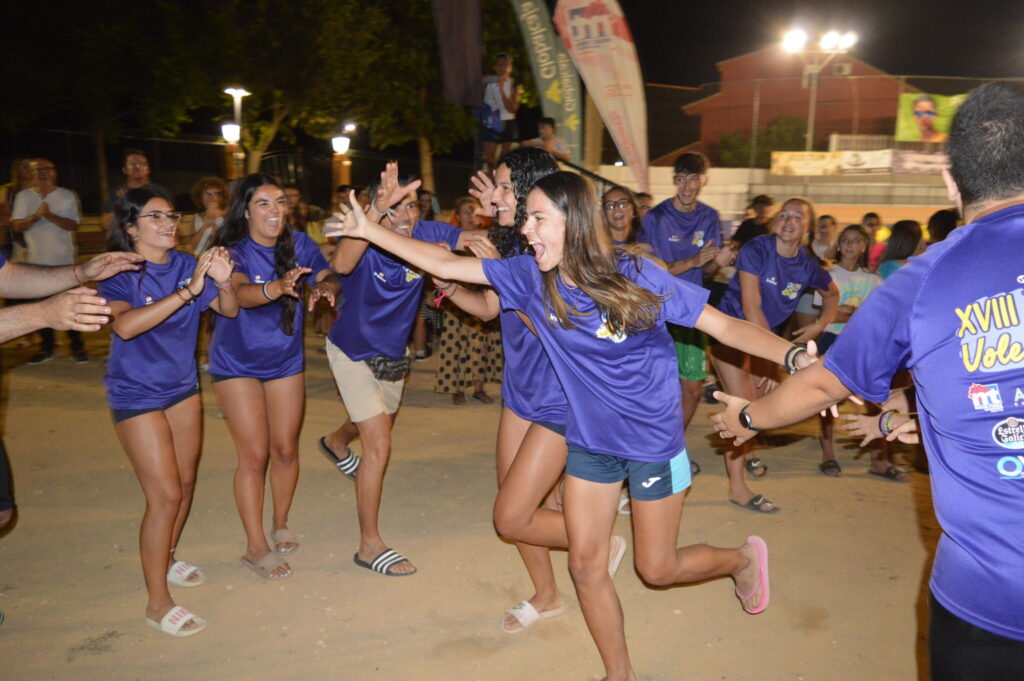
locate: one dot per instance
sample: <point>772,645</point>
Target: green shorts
<point>690,345</point>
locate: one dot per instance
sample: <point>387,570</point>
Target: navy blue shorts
<point>648,480</point>
<point>124,414</point>
<point>552,426</point>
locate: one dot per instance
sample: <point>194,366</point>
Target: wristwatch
<point>744,418</point>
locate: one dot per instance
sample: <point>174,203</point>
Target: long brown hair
<point>590,262</point>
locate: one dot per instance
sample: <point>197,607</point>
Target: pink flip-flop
<point>762,560</point>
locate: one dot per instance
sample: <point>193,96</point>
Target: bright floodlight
<point>340,144</point>
<point>848,40</point>
<point>830,40</point>
<point>794,41</point>
<point>619,163</point>
<point>231,132</point>
<point>349,127</point>
<point>237,92</point>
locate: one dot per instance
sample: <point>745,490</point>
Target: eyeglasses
<point>44,169</point>
<point>212,194</point>
<point>925,114</point>
<point>137,164</point>
<point>612,205</point>
<point>159,216</point>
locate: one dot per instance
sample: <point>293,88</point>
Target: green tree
<point>785,133</point>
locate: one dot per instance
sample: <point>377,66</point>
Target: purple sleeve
<point>875,344</point>
<point>437,232</point>
<point>511,280</point>
<point>210,292</point>
<point>307,254</point>
<point>714,234</point>
<point>3,260</point>
<point>682,301</point>
<point>820,278</point>
<point>752,257</point>
<point>116,288</point>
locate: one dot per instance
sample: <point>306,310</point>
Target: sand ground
<point>849,560</point>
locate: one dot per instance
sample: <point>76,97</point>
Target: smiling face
<point>688,186</point>
<point>544,230</point>
<point>504,198</point>
<point>791,222</point>
<point>266,214</point>
<point>155,231</point>
<point>618,212</point>
<point>403,215</point>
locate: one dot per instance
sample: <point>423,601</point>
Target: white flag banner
<point>597,38</point>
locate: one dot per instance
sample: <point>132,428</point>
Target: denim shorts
<point>648,480</point>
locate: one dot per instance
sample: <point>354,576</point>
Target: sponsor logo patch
<point>986,397</point>
<point>1009,433</point>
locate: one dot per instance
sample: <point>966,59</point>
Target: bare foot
<point>749,586</point>
<point>403,567</point>
<point>510,624</point>
<point>157,612</point>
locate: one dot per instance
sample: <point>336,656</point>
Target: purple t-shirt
<point>622,390</point>
<point>955,317</point>
<point>382,295</point>
<point>157,366</point>
<point>529,387</point>
<point>783,280</point>
<point>253,344</point>
<point>674,235</point>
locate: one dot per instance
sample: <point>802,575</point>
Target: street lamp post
<point>234,156</point>
<point>341,164</point>
<point>830,44</point>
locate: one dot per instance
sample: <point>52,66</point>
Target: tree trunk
<point>426,163</point>
<point>99,139</point>
<point>264,140</point>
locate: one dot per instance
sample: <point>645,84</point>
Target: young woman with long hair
<point>600,315</point>
<point>257,360</point>
<point>772,271</point>
<point>905,241</point>
<point>152,383</point>
<point>621,214</point>
<point>531,447</point>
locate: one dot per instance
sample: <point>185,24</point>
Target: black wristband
<point>744,418</point>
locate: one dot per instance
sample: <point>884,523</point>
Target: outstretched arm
<point>429,257</point>
<point>79,309</point>
<point>19,280</point>
<point>804,394</point>
<point>747,336</point>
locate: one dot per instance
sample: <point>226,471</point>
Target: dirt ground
<point>849,560</point>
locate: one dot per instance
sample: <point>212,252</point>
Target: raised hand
<point>221,265</point>
<point>79,309</point>
<point>480,246</point>
<point>322,290</point>
<point>483,191</point>
<point>290,281</point>
<point>390,191</point>
<point>198,281</point>
<point>351,221</point>
<point>106,265</point>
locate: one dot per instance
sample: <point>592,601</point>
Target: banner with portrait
<point>925,118</point>
<point>597,37</point>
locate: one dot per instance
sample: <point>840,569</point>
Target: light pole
<point>234,157</point>
<point>830,44</point>
<point>341,164</point>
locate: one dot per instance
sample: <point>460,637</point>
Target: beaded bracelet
<point>885,422</point>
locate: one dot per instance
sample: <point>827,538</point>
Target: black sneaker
<point>80,357</point>
<point>41,357</point>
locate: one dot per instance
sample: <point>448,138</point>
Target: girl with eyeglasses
<point>772,271</point>
<point>152,383</point>
<point>622,216</point>
<point>257,361</point>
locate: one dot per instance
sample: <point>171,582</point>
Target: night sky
<point>679,41</point>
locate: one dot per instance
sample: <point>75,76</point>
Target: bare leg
<point>530,461</point>
<point>590,510</point>
<point>243,402</point>
<point>342,437</point>
<point>149,443</point>
<point>286,401</point>
<point>693,392</point>
<point>375,433</point>
<point>728,365</point>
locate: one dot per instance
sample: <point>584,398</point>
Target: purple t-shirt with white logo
<point>155,367</point>
<point>382,295</point>
<point>674,235</point>
<point>253,344</point>
<point>955,317</point>
<point>782,280</point>
<point>623,391</point>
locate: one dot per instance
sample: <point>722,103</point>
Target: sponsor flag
<point>597,37</point>
<point>553,72</point>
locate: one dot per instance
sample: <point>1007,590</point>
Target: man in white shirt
<point>48,217</point>
<point>501,95</point>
